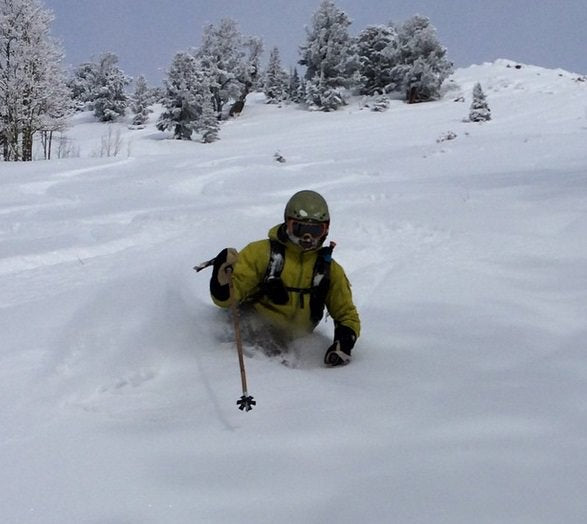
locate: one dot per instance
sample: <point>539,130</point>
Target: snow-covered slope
<point>465,399</point>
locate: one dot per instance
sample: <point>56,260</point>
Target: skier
<point>289,279</point>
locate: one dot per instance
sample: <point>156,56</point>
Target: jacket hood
<point>278,233</point>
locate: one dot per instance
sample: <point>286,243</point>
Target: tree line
<point>207,84</point>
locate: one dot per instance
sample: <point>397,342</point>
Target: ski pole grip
<point>204,265</point>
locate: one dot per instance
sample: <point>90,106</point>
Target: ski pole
<point>204,265</point>
<point>246,402</point>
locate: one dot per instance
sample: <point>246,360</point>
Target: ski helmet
<point>307,219</point>
<point>307,206</point>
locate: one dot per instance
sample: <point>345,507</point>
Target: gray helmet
<point>307,206</point>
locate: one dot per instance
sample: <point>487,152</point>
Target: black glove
<point>229,258</point>
<point>219,280</point>
<point>340,352</point>
<point>275,291</point>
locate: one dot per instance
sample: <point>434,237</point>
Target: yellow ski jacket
<point>294,316</point>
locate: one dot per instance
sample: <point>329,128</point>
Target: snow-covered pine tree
<point>276,81</point>
<point>207,124</point>
<point>222,56</point>
<point>157,94</point>
<point>188,100</point>
<point>377,47</point>
<point>423,65</point>
<point>82,85</point>
<point>140,102</point>
<point>479,111</point>
<point>302,91</point>
<point>110,99</point>
<point>294,86</point>
<point>206,121</point>
<point>180,99</point>
<point>329,58</point>
<point>31,79</point>
<point>380,103</point>
<point>252,79</point>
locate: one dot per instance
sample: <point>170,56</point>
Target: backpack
<point>274,289</point>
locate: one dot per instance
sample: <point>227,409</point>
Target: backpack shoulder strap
<point>274,288</point>
<point>276,260</point>
<point>272,285</point>
<point>322,266</point>
<point>320,282</point>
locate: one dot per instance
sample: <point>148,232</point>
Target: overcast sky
<point>146,34</point>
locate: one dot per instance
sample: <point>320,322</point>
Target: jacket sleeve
<point>339,300</point>
<point>248,273</point>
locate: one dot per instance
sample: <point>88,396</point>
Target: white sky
<point>146,34</point>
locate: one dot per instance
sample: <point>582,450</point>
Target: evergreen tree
<point>188,101</point>
<point>222,56</point>
<point>377,47</point>
<point>32,90</point>
<point>82,85</point>
<point>141,101</point>
<point>294,87</point>
<point>110,100</point>
<point>479,111</point>
<point>207,123</point>
<point>252,79</point>
<point>276,79</point>
<point>423,65</point>
<point>231,62</point>
<point>301,93</point>
<point>328,57</point>
<point>179,102</point>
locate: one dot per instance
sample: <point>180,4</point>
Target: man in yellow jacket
<point>290,277</point>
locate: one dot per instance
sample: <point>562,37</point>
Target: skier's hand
<point>335,356</point>
<point>219,279</point>
<point>275,290</point>
<point>340,352</point>
<point>230,256</point>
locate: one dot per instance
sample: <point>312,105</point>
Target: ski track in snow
<point>465,398</point>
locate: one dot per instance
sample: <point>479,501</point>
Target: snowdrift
<point>467,256</point>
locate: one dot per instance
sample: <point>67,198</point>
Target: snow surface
<point>465,402</point>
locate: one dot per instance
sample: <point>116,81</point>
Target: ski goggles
<point>313,229</point>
